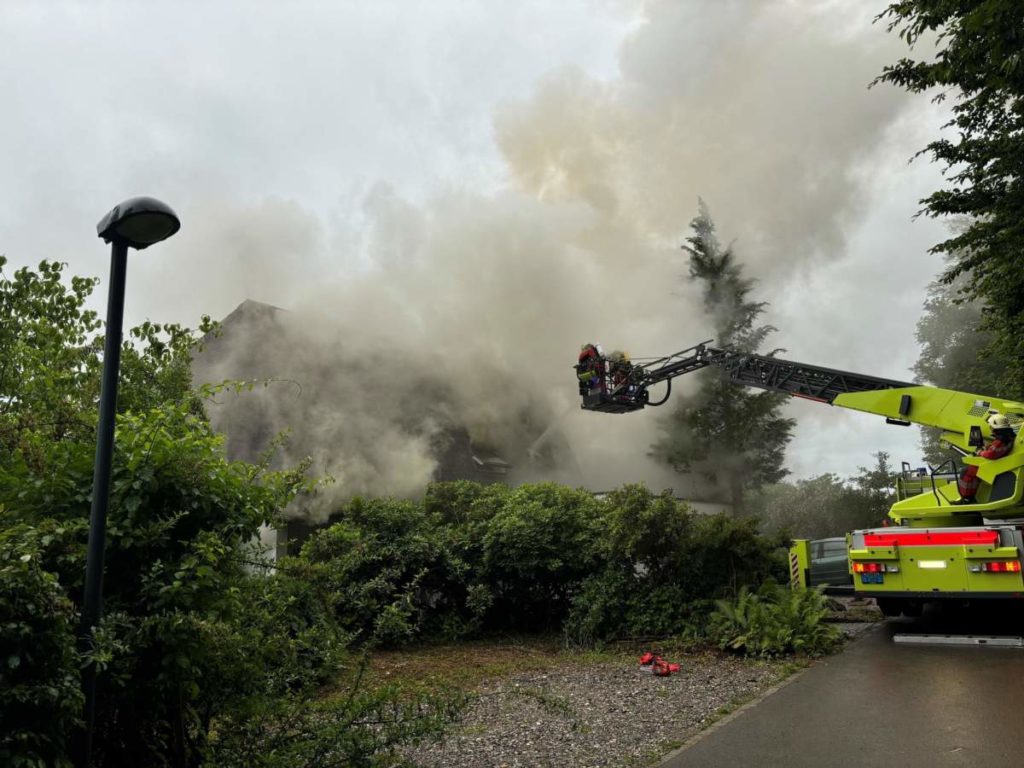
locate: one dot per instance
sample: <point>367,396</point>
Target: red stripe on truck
<point>930,539</point>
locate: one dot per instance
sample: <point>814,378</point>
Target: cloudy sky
<point>536,162</point>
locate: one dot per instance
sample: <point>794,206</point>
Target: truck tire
<point>912,608</point>
<point>890,606</point>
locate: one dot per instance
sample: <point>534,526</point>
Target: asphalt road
<point>884,704</point>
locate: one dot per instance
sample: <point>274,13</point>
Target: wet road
<point>885,704</point>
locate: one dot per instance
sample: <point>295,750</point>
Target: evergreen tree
<point>731,437</point>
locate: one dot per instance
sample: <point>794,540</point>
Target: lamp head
<point>139,222</point>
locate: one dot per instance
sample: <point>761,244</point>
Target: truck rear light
<point>869,568</point>
<point>892,568</point>
<point>1011,566</point>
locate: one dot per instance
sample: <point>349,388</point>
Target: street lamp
<point>136,223</point>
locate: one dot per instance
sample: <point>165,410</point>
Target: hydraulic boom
<point>615,386</point>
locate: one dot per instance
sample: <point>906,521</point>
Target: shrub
<point>176,643</point>
<point>39,673</point>
<point>393,572</point>
<point>537,549</point>
<point>662,567</point>
<point>773,621</point>
<point>194,645</point>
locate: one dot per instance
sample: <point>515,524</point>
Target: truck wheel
<point>912,609</point>
<point>890,606</point>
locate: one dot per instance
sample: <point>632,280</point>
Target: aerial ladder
<point>937,546</point>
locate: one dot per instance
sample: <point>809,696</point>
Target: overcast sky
<point>278,129</point>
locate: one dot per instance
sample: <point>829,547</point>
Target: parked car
<point>829,564</point>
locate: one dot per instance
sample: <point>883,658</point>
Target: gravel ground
<point>854,629</point>
<point>601,714</point>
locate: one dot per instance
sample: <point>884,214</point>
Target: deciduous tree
<point>979,65</point>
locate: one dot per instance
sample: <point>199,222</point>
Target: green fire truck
<point>937,547</point>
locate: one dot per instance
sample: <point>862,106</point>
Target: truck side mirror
<point>976,439</point>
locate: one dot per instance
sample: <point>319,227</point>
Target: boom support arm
<point>899,402</point>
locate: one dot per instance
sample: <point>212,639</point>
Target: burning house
<point>376,421</point>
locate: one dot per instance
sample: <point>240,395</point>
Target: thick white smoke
<point>468,311</point>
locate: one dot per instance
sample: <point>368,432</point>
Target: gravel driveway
<point>599,714</point>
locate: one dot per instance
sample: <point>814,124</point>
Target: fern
<point>772,622</point>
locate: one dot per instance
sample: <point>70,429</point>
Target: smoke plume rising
<point>409,320</point>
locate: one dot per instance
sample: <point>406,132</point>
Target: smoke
<point>410,321</point>
<point>761,107</point>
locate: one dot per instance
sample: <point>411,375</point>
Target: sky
<point>533,164</point>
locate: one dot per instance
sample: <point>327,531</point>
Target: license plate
<point>872,578</point>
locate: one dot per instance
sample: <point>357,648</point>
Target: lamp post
<point>136,223</point>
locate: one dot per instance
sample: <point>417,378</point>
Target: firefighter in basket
<point>1002,443</point>
<point>590,369</point>
<point>619,371</point>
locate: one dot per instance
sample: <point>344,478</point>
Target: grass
<point>469,665</point>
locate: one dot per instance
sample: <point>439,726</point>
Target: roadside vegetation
<point>207,656</point>
<point>201,658</point>
<point>774,621</point>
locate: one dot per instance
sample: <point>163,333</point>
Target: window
<point>834,548</point>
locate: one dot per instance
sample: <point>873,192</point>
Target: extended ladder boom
<point>614,385</point>
<point>812,382</point>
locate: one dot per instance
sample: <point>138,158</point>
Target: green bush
<point>539,546</point>
<point>773,621</point>
<point>198,642</point>
<point>181,520</point>
<point>662,567</point>
<point>393,572</point>
<point>39,676</point>
<point>196,647</point>
<point>468,559</point>
<point>473,559</point>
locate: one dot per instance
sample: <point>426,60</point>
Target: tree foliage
<point>956,352</point>
<point>206,654</point>
<point>980,63</point>
<point>198,644</point>
<point>42,695</point>
<point>51,356</point>
<point>733,438</point>
<point>827,505</point>
<point>48,357</point>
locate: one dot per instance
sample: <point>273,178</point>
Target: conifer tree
<point>730,438</point>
